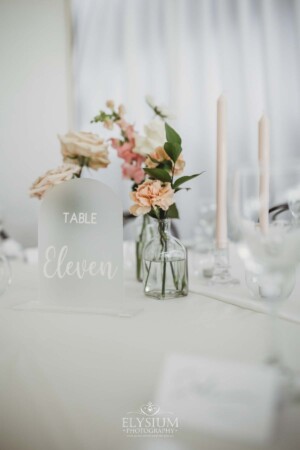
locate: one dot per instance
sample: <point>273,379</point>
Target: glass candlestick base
<point>221,273</point>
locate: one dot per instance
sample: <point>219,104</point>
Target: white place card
<point>81,247</point>
<point>226,399</point>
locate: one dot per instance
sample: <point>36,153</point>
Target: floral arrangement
<point>125,145</point>
<point>133,147</point>
<point>78,150</point>
<point>153,161</point>
<point>165,264</point>
<point>156,194</point>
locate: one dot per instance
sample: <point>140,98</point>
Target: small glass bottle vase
<point>144,234</point>
<point>165,264</point>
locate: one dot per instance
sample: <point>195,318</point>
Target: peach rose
<point>55,176</point>
<point>160,155</point>
<point>84,149</point>
<point>151,194</point>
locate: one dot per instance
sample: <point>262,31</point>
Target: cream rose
<point>84,149</point>
<point>155,136</point>
<point>151,194</point>
<point>160,155</point>
<point>53,177</point>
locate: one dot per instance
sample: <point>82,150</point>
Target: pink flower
<point>132,166</point>
<point>130,133</point>
<point>133,172</point>
<point>124,150</point>
<point>151,194</point>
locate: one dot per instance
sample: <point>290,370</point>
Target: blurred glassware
<point>12,249</point>
<point>3,234</point>
<point>202,255</point>
<point>293,202</point>
<point>8,246</point>
<point>204,231</point>
<point>203,261</point>
<point>5,273</point>
<point>5,270</point>
<point>221,271</point>
<point>208,262</point>
<point>271,252</point>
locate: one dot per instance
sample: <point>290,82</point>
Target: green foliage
<point>167,165</point>
<point>172,136</point>
<point>103,116</point>
<point>159,174</point>
<point>172,212</point>
<point>173,150</point>
<point>184,179</point>
<point>155,161</point>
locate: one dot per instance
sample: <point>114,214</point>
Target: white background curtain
<point>35,105</point>
<point>185,53</point>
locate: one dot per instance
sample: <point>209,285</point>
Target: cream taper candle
<point>221,200</point>
<point>264,163</point>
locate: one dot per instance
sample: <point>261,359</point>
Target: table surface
<point>66,380</point>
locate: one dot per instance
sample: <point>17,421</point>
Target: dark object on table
<point>278,209</point>
<point>3,235</point>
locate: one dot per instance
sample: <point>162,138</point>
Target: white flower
<point>84,149</point>
<point>155,136</point>
<point>160,110</point>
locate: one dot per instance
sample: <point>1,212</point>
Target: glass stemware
<point>5,273</point>
<point>5,270</point>
<point>270,249</point>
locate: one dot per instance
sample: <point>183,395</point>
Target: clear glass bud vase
<point>144,234</point>
<point>165,264</point>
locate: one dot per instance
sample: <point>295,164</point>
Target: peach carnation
<point>151,194</point>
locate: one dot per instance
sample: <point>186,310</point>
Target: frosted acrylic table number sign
<point>81,249</point>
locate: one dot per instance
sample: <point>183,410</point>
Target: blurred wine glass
<point>5,270</point>
<point>269,245</point>
<point>202,257</point>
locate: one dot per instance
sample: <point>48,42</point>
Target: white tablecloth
<point>66,380</point>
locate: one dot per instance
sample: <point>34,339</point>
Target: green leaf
<point>159,174</point>
<point>182,189</point>
<point>172,212</point>
<point>173,150</point>
<point>152,214</point>
<point>155,161</point>
<point>167,165</point>
<point>184,179</point>
<point>172,135</point>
